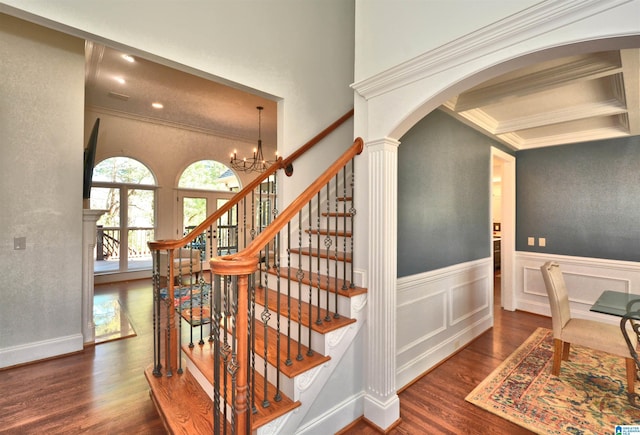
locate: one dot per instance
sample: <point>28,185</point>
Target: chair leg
<point>631,375</point>
<point>566,349</point>
<point>557,356</point>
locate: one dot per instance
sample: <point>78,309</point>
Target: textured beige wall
<point>41,149</point>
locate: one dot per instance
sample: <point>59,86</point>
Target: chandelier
<point>257,163</point>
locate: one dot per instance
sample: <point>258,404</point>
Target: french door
<point>194,209</point>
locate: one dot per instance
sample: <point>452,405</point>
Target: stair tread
<point>201,356</point>
<point>182,404</point>
<point>322,253</point>
<point>312,279</point>
<point>323,328</point>
<point>296,367</point>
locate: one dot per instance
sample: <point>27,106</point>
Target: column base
<point>382,415</point>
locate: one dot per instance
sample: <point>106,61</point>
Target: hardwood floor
<point>102,390</point>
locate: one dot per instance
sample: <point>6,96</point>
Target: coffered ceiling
<point>573,99</point>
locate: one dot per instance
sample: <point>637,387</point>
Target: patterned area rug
<point>589,396</point>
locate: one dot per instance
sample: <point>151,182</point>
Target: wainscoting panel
<point>586,279</point>
<point>438,312</point>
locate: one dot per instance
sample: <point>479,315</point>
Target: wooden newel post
<point>242,268</point>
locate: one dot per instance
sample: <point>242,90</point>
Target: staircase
<point>286,309</point>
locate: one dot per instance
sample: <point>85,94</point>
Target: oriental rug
<point>589,396</point>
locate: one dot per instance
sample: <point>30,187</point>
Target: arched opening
<point>125,188</point>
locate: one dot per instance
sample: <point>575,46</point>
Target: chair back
<point>558,296</point>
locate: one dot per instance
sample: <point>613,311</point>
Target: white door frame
<point>508,227</point>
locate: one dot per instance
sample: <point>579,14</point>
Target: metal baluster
<point>344,225</point>
<point>352,211</point>
<point>232,367</point>
<point>318,251</point>
<point>288,360</point>
<point>252,329</point>
<point>327,244</point>
<point>157,366</point>
<point>225,348</point>
<point>266,316</point>
<point>216,306</point>
<point>170,312</point>
<point>299,276</point>
<point>310,352</point>
<point>278,396</point>
<point>335,259</point>
<point>244,223</point>
<point>202,318</point>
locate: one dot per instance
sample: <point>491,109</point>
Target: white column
<point>381,403</point>
<point>89,219</point>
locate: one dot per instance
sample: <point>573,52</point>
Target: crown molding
<point>531,22</point>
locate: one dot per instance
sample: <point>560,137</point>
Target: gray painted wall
<point>583,198</point>
<point>443,195</point>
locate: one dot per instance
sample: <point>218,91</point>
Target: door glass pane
<point>227,230</point>
<point>140,219</point>
<point>194,212</point>
<point>107,252</point>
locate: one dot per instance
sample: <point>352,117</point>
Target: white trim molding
<point>586,279</point>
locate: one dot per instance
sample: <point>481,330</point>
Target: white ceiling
<point>189,101</point>
<point>574,99</point>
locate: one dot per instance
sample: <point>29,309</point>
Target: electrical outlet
<point>531,241</point>
<point>542,242</point>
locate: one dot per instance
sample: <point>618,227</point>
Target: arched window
<point>209,175</point>
<point>125,188</point>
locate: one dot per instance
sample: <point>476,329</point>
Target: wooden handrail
<point>279,164</point>
<point>173,244</point>
<point>286,163</point>
<point>254,248</point>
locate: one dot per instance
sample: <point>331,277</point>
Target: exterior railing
<point>108,242</point>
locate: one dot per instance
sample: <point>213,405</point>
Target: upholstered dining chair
<point>588,333</point>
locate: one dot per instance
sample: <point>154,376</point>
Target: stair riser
<point>318,343</point>
<point>304,265</point>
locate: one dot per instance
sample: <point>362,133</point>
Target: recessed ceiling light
<point>128,58</point>
<point>157,105</point>
<point>120,80</point>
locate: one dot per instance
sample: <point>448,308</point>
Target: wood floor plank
<point>103,390</point>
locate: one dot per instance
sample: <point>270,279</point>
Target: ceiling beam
<point>581,68</point>
<point>631,75</point>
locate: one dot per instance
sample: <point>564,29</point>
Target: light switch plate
<point>531,241</point>
<point>19,243</point>
<point>542,242</point>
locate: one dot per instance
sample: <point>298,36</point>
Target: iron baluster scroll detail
<point>632,318</point>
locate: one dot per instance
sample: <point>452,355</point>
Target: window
<point>209,175</point>
<point>125,188</point>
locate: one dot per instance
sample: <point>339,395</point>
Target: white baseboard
<point>336,418</point>
<point>39,350</point>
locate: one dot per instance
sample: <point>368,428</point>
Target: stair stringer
<point>309,385</point>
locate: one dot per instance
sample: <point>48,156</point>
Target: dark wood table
<point>627,307</point>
